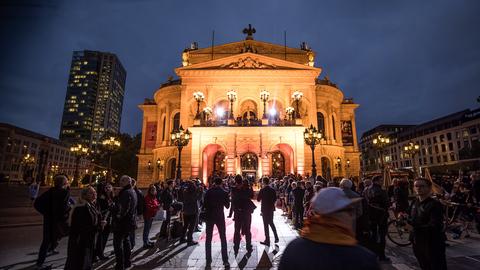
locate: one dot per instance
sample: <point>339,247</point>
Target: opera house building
<point>247,106</point>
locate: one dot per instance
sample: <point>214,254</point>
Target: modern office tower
<point>93,104</point>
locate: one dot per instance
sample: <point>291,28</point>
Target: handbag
<point>160,215</point>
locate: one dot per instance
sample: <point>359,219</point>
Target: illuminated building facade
<point>93,104</point>
<point>247,105</point>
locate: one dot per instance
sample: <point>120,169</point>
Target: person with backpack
<point>151,207</point>
<point>53,205</point>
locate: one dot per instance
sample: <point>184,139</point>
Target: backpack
<point>42,202</point>
<point>140,202</point>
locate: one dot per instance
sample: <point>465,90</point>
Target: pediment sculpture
<point>248,63</point>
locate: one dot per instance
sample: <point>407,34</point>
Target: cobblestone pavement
<point>19,247</point>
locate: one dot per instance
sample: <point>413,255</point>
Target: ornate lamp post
<point>411,149</point>
<point>111,144</point>
<point>312,137</point>
<point>231,96</point>
<point>297,96</point>
<point>78,151</point>
<point>199,97</point>
<point>264,95</point>
<point>207,111</point>
<point>180,138</point>
<point>380,142</point>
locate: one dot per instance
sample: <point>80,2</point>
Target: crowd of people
<point>334,219</point>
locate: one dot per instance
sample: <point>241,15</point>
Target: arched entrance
<point>219,164</point>
<point>278,164</point>
<point>249,165</point>
<point>326,168</point>
<point>171,168</point>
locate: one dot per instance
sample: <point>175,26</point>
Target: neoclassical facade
<point>263,136</point>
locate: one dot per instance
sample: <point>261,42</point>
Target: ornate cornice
<point>248,63</point>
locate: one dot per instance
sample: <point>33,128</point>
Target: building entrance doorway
<point>171,168</point>
<point>249,165</point>
<point>219,164</point>
<point>278,164</point>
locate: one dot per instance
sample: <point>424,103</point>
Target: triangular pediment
<point>248,60</point>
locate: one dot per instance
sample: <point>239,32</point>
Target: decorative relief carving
<point>248,63</point>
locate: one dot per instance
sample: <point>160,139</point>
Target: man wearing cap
<point>328,237</point>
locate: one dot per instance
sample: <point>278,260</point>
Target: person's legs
<point>131,238</point>
<point>382,231</point>
<point>118,248</point>
<point>165,223</point>
<point>265,227</point>
<point>246,230</point>
<point>419,252</point>
<point>147,225</point>
<point>208,241</point>
<point>127,250</point>
<point>191,227</point>
<point>236,233</point>
<point>46,242</point>
<point>436,256</point>
<point>272,225</point>
<point>223,239</point>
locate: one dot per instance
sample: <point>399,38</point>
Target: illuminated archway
<point>278,164</point>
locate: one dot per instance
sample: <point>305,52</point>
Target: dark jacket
<point>241,201</point>
<point>378,203</point>
<point>298,194</point>
<point>299,253</point>
<point>166,198</point>
<point>267,196</point>
<point>85,223</point>
<point>214,201</point>
<point>125,210</point>
<point>190,201</point>
<point>426,217</point>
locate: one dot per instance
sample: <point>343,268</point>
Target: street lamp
<point>180,138</point>
<point>207,111</point>
<point>411,149</point>
<point>297,96</point>
<point>199,97</point>
<point>347,166</point>
<point>381,142</point>
<point>231,96</point>
<point>27,161</point>
<point>159,167</point>
<point>149,165</point>
<point>264,95</point>
<point>338,165</point>
<point>111,144</point>
<point>312,137</point>
<point>78,151</point>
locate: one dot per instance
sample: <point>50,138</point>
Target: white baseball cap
<point>331,199</point>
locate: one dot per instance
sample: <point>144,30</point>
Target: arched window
<point>321,123</point>
<point>176,121</point>
<point>333,128</point>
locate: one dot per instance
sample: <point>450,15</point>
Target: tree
<point>124,160</point>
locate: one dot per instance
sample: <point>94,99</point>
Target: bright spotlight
<point>220,112</point>
<point>272,111</point>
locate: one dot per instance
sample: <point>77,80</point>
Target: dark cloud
<point>404,62</point>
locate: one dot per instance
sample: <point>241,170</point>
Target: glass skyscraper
<point>93,104</point>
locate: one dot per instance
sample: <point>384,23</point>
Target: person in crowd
<point>167,198</point>
<point>298,210</point>
<point>327,241</point>
<point>267,197</point>
<point>139,210</point>
<point>33,190</point>
<point>346,186</point>
<point>151,207</point>
<point>378,204</point>
<point>428,237</point>
<point>191,197</point>
<point>215,200</point>
<point>105,206</point>
<point>243,209</point>
<point>124,222</point>
<point>53,205</point>
<point>85,222</point>
<point>400,196</point>
<point>367,183</point>
<point>318,186</point>
<point>309,193</point>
